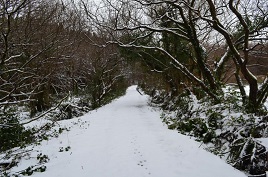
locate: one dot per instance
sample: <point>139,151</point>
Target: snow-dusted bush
<point>74,107</point>
<point>12,133</point>
<point>225,128</point>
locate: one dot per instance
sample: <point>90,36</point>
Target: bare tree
<point>38,38</point>
<point>99,69</point>
<point>241,26</point>
<point>251,25</point>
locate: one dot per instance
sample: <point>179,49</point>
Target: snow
<point>125,138</point>
<point>264,141</point>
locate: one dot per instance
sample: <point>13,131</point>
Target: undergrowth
<point>16,137</point>
<point>225,129</point>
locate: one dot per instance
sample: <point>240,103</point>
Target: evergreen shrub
<point>12,133</point>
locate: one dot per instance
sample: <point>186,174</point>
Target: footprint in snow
<point>141,163</point>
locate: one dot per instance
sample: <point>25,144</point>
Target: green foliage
<point>42,158</point>
<point>12,134</point>
<point>247,154</point>
<point>227,128</point>
<point>214,119</point>
<point>195,126</point>
<point>30,170</point>
<point>188,122</point>
<point>210,136</point>
<point>62,149</point>
<point>184,103</point>
<point>200,93</point>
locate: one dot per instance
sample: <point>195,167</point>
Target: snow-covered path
<point>127,139</point>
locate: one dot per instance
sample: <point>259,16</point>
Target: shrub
<point>227,128</point>
<point>247,154</point>
<point>12,134</point>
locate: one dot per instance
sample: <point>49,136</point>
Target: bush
<point>247,154</point>
<point>12,134</point>
<point>227,128</point>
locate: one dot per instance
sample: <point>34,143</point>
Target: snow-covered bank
<point>125,138</point>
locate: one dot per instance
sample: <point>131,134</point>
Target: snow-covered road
<point>127,139</point>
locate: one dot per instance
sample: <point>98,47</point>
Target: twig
<point>52,109</point>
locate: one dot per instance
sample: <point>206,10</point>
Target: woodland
<point>204,63</point>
